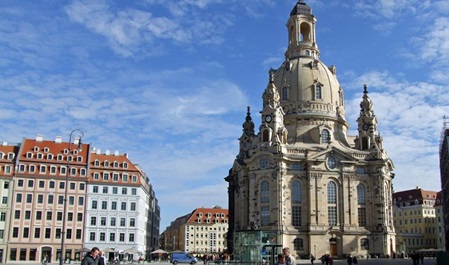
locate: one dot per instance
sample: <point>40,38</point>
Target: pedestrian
<point>349,259</point>
<point>281,260</point>
<point>288,257</point>
<point>91,257</point>
<point>354,260</point>
<point>312,259</point>
<point>101,259</point>
<point>422,257</point>
<point>331,260</point>
<point>45,260</point>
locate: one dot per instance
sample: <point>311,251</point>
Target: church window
<point>325,136</point>
<point>361,194</point>
<point>264,192</point>
<point>364,243</point>
<point>296,203</point>
<point>298,244</point>
<point>284,93</point>
<point>331,162</point>
<point>265,215</point>
<point>361,211</point>
<point>331,192</point>
<point>318,91</point>
<point>296,192</point>
<point>332,203</point>
<point>295,166</point>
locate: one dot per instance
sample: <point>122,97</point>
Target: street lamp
<point>80,135</point>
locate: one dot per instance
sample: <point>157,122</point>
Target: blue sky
<point>168,81</point>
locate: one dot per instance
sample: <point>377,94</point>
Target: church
<point>299,180</point>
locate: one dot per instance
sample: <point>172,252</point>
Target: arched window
<point>296,203</point>
<point>331,192</point>
<point>318,92</point>
<point>296,192</point>
<point>361,194</point>
<point>325,136</point>
<point>332,203</point>
<point>264,192</point>
<point>298,244</point>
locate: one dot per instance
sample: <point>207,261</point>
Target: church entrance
<point>333,247</point>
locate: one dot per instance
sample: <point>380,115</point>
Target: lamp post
<point>80,135</point>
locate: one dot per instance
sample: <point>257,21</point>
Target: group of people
<point>94,257</point>
<point>285,258</point>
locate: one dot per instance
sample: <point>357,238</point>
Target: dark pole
<point>66,188</point>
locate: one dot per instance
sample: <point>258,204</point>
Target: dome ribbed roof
<point>301,8</point>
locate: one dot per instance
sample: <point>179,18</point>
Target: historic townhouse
<point>118,198</point>
<point>38,199</point>
<point>414,220</point>
<point>299,180</point>
<point>110,202</point>
<point>201,232</point>
<point>7,169</point>
<point>439,221</point>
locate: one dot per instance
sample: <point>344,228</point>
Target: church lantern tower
<point>301,181</point>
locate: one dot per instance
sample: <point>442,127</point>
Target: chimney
<point>116,153</point>
<point>39,137</point>
<point>98,151</point>
<point>108,152</point>
<point>58,139</point>
<point>5,143</point>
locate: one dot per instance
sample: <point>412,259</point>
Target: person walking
<point>45,260</point>
<point>281,260</point>
<point>91,257</point>
<point>312,259</point>
<point>349,259</point>
<point>101,259</point>
<point>288,257</point>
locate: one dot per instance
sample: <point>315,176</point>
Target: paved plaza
<point>339,262</point>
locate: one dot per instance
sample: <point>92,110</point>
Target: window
<point>69,217</point>
<point>37,232</point>
<point>78,234</point>
<point>94,205</point>
<point>38,215</point>
<point>105,190</point>
<point>103,221</point>
<point>41,184</point>
<point>47,232</point>
<point>331,192</point>
<point>113,205</point>
<point>93,220</point>
<point>133,191</point>
<point>96,176</point>
<point>2,216</point>
<point>114,190</point>
<point>30,183</point>
<point>296,215</point>
<point>19,197</point>
<point>113,221</point>
<point>131,237</point>
<point>80,201</point>
<point>62,185</point>
<point>264,192</point>
<point>49,215</point>
<point>265,215</point>
<point>361,195</point>
<point>122,221</point>
<point>42,169</point>
<point>60,199</point>
<point>112,237</point>
<point>40,198</point>
<point>102,236</point>
<point>318,91</point>
<point>115,177</point>
<point>132,222</point>
<point>20,183</point>
<point>331,162</point>
<point>58,233</point>
<point>50,199</point>
<point>4,200</point>
<point>92,236</point>
<point>29,198</point>
<point>105,176</point>
<point>6,185</point>
<point>124,191</point>
<point>104,205</point>
<point>15,232</point>
<point>325,136</point>
<point>122,237</point>
<point>123,206</point>
<point>284,95</point>
<point>17,214</point>
<point>51,184</point>
<point>298,244</point>
<point>364,243</point>
<point>133,206</point>
<point>79,217</point>
<point>332,201</point>
<point>82,186</point>
<point>95,189</point>
<point>361,211</point>
<point>27,215</point>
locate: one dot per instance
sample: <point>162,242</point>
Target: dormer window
<point>125,165</point>
<point>60,158</point>
<point>29,155</point>
<point>40,156</point>
<point>325,136</point>
<point>106,163</point>
<point>36,149</point>
<point>79,159</point>
<point>66,151</point>
<point>11,156</point>
<point>50,157</point>
<point>97,163</point>
<point>116,164</point>
<point>318,93</point>
<point>46,150</point>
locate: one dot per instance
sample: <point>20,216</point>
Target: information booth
<point>257,247</point>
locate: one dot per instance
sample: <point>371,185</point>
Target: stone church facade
<point>299,180</point>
